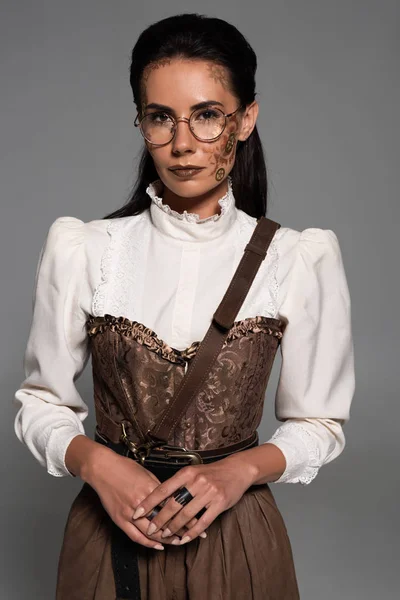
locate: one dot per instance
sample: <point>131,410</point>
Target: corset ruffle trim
<point>147,337</point>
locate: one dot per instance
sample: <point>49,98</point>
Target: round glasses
<point>206,124</point>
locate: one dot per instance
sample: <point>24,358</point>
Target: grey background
<point>329,97</point>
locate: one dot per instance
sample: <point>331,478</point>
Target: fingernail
<point>159,547</point>
<point>185,539</point>
<point>138,512</point>
<point>152,528</point>
<point>176,542</point>
<point>203,534</point>
<point>167,532</point>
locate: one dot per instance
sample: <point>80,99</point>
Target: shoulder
<point>69,244</point>
<point>72,241</point>
<point>67,235</point>
<point>310,268</point>
<point>71,230</point>
<point>312,236</point>
<point>312,239</point>
<point>310,244</point>
<point>306,257</point>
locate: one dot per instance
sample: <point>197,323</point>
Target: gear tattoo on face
<point>230,143</point>
<point>219,74</point>
<point>219,175</point>
<point>222,152</point>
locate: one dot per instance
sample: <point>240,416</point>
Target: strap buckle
<point>253,247</point>
<point>140,451</point>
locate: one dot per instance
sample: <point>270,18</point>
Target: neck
<point>204,205</point>
<point>188,226</point>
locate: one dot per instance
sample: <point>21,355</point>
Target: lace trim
<point>272,281</point>
<point>99,296</point>
<point>147,337</point>
<point>303,462</point>
<point>155,188</point>
<point>266,276</point>
<point>121,266</point>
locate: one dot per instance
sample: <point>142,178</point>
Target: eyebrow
<point>194,107</point>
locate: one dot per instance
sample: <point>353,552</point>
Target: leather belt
<point>166,454</point>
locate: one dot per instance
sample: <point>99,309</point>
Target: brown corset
<point>135,375</point>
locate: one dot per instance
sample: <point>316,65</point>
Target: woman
<point>138,290</point>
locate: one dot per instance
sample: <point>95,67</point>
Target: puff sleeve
<point>50,410</point>
<point>317,382</point>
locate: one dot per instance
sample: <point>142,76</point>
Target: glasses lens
<point>207,123</point>
<point>157,128</point>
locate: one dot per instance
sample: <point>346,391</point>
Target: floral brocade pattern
<point>136,374</point>
<point>147,337</point>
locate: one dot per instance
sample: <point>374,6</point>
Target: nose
<point>183,140</point>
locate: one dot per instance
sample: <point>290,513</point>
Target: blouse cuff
<point>301,452</point>
<point>60,437</point>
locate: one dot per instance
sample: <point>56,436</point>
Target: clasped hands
<point>215,486</point>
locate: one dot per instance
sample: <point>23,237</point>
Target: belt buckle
<point>143,450</point>
<point>177,451</point>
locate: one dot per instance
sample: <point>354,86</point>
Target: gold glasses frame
<point>138,123</point>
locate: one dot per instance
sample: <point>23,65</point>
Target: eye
<point>158,117</point>
<point>208,114</point>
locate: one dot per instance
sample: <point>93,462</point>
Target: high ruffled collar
<point>188,226</point>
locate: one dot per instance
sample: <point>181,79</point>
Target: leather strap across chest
<point>207,352</point>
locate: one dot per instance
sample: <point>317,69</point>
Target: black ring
<point>183,496</point>
<point>201,512</point>
<point>157,509</point>
<point>182,493</point>
<point>154,512</point>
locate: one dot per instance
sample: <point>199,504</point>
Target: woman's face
<point>179,85</point>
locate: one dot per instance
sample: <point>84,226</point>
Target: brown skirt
<point>246,556</point>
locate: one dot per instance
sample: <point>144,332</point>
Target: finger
<point>154,511</point>
<point>203,522</point>
<point>168,511</point>
<point>179,533</point>
<point>137,536</point>
<point>184,529</point>
<point>188,512</point>
<point>162,491</point>
<point>142,524</point>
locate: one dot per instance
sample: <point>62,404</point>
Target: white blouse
<point>169,271</point>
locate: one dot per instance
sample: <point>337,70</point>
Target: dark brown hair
<point>195,36</point>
